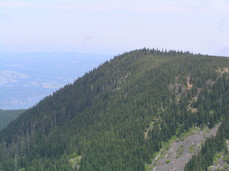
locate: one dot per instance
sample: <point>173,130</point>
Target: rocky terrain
<point>174,156</point>
<point>219,162</point>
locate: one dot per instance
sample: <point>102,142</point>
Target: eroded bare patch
<point>180,152</point>
<point>222,70</point>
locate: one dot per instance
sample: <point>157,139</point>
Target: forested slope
<point>6,116</point>
<point>117,116</point>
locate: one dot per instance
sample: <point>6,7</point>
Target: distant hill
<point>121,114</point>
<point>6,116</point>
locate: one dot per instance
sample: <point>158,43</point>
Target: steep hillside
<point>6,116</point>
<point>118,116</point>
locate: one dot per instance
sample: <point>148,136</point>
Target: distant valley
<point>26,78</point>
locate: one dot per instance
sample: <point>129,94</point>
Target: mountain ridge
<point>103,116</point>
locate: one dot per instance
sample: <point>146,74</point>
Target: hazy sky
<point>114,26</point>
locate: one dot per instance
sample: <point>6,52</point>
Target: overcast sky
<point>114,26</point>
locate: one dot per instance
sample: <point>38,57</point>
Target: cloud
<point>8,76</point>
<point>51,85</point>
<point>44,84</point>
<point>16,101</point>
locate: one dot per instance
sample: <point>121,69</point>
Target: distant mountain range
<point>123,116</point>
<point>26,78</point>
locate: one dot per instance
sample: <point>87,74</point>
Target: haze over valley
<point>26,78</point>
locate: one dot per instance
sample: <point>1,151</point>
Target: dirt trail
<point>180,152</point>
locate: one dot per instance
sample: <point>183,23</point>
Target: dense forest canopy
<point>117,116</point>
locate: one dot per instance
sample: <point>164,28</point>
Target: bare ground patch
<point>180,152</point>
<point>219,163</point>
<point>223,70</point>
